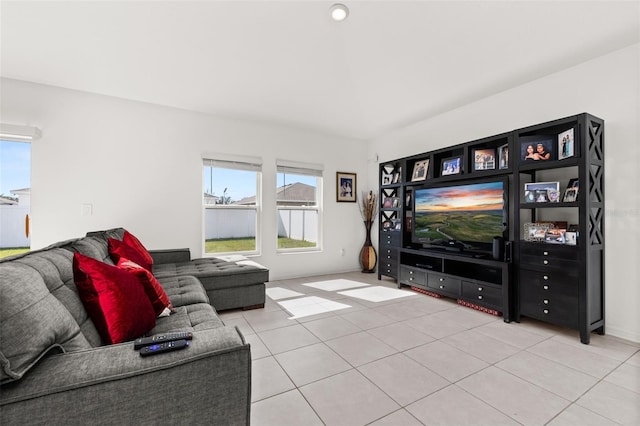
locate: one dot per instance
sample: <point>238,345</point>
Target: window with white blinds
<point>298,201</point>
<point>231,202</point>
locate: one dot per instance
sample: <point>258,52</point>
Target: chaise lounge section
<point>229,284</point>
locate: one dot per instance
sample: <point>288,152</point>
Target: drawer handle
<point>441,286</point>
<point>410,272</point>
<point>545,301</point>
<point>546,311</point>
<point>441,279</point>
<point>546,253</point>
<point>546,287</point>
<point>479,288</point>
<point>411,279</point>
<point>480,297</point>
<point>546,262</point>
<point>388,257</point>
<point>545,277</point>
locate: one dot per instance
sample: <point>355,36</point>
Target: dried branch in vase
<point>369,206</point>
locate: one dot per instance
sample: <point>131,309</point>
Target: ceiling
<point>390,64</point>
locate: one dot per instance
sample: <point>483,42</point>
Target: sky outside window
<point>15,166</point>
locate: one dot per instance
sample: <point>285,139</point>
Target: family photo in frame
<point>571,192</point>
<point>503,156</point>
<point>420,170</point>
<point>541,192</point>
<point>566,145</point>
<point>345,187</point>
<point>451,166</point>
<point>484,159</point>
<point>537,148</point>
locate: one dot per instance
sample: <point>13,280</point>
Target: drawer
<point>549,250</point>
<point>413,276</point>
<point>390,239</point>
<point>388,268</point>
<point>482,294</point>
<point>444,284</point>
<point>549,297</point>
<point>388,254</point>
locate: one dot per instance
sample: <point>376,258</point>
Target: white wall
<point>608,87</point>
<point>139,166</point>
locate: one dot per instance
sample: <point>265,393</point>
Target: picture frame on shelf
<point>451,166</point>
<point>571,192</point>
<point>503,156</point>
<point>541,192</point>
<point>396,177</point>
<point>566,145</point>
<point>536,231</point>
<point>537,148</point>
<point>346,187</point>
<point>420,170</point>
<point>555,236</point>
<point>571,238</point>
<point>387,174</point>
<point>484,159</point>
<point>387,203</point>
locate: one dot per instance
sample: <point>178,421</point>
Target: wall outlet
<point>86,209</point>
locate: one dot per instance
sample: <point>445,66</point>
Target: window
<point>231,203</point>
<point>15,197</point>
<point>298,195</point>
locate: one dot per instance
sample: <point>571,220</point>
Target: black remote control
<point>161,338</point>
<point>164,347</point>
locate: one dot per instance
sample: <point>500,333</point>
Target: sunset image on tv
<point>472,212</point>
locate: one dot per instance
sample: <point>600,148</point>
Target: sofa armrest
<point>170,255</point>
<point>210,382</point>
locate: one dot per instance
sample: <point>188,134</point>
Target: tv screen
<point>462,215</point>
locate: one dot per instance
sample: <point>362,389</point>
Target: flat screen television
<point>461,216</point>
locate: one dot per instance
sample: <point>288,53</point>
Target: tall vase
<point>368,257</point>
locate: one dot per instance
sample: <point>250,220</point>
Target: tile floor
<point>422,361</point>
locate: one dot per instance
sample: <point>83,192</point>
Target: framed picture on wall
<point>345,187</point>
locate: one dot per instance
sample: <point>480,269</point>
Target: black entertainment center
<point>510,224</point>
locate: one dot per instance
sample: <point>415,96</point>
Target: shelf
<point>548,205</point>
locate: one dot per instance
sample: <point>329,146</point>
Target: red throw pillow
<point>131,240</point>
<point>114,299</point>
<point>156,294</point>
<point>119,249</point>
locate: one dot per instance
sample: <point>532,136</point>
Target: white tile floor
<point>422,361</point>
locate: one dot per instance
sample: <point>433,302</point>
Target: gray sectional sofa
<point>55,368</point>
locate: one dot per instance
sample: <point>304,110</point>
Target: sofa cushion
<point>119,249</point>
<point>94,247</point>
<point>215,273</point>
<point>194,317</point>
<point>158,297</point>
<point>183,290</point>
<point>32,320</point>
<point>115,299</point>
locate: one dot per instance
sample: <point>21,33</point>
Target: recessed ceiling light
<point>339,12</point>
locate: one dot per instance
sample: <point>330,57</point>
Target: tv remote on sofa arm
<point>161,338</point>
<point>159,348</point>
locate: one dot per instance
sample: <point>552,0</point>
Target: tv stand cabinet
<point>476,282</point>
<point>555,226</point>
